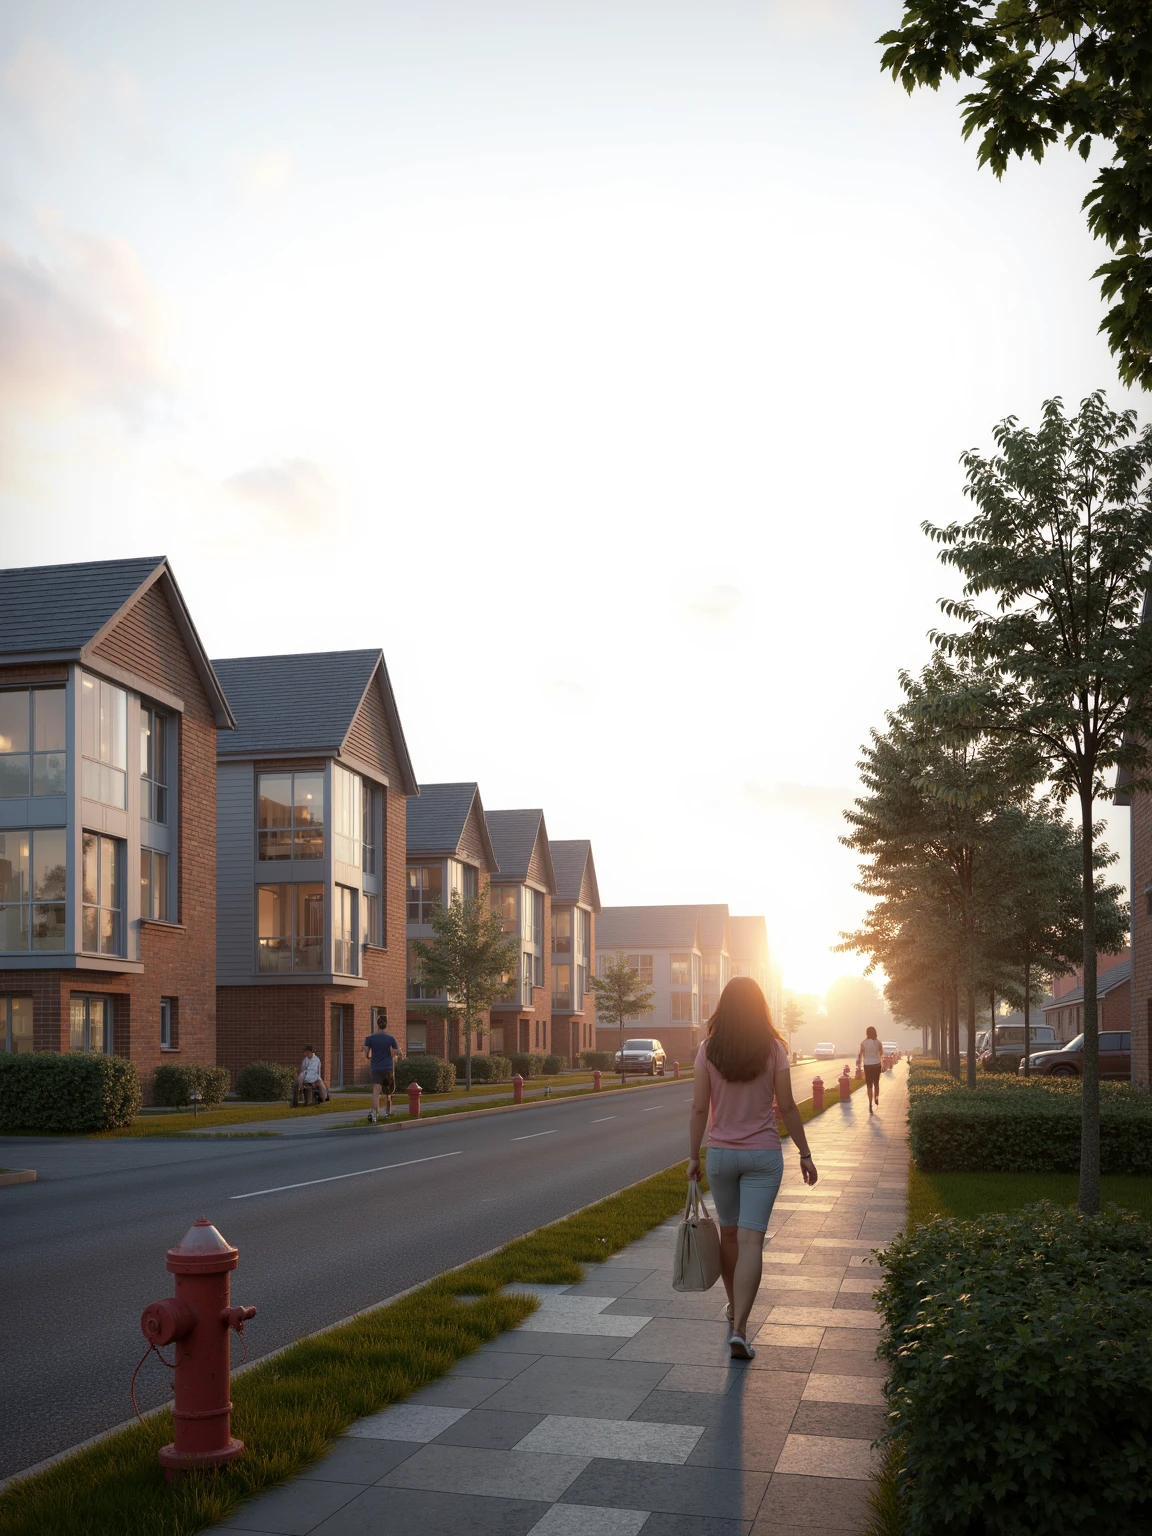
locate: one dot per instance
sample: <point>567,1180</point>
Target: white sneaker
<point>371,1117</point>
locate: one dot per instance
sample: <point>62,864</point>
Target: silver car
<point>645,1056</point>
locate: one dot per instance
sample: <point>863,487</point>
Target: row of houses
<point>222,860</point>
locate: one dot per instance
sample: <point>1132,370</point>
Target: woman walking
<point>742,1075</point>
<point>871,1057</point>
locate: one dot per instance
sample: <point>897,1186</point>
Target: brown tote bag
<point>696,1266</point>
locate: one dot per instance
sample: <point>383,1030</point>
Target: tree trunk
<point>954,1025</point>
<point>1028,1016</point>
<point>1090,1057</point>
<point>971,1021</point>
<point>622,1082</point>
<point>467,1040</point>
<point>992,1026</point>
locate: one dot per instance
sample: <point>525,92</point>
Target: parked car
<point>1067,1060</point>
<point>891,1049</point>
<point>1010,1041</point>
<point>642,1056</point>
<point>825,1051</point>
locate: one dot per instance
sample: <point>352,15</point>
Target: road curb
<point>18,1176</point>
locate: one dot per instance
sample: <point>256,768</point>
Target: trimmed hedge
<point>527,1063</point>
<point>433,1075</point>
<point>554,1064</point>
<point>598,1061</point>
<point>172,1084</point>
<point>485,1069</point>
<point>56,1095</point>
<point>1007,1125</point>
<point>267,1081</point>
<point>1020,1394</point>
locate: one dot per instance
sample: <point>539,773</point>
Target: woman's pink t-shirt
<point>743,1114</point>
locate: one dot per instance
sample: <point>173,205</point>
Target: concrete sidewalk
<point>615,1408</point>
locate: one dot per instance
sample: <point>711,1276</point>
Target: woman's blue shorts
<point>744,1184</point>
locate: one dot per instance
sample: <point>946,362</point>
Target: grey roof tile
<point>513,835</point>
<point>655,927</point>
<point>714,925</point>
<point>436,821</point>
<point>570,859</point>
<point>1106,983</point>
<point>299,703</point>
<point>60,608</point>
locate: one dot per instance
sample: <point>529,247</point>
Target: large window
<point>104,742</point>
<point>682,1009</point>
<point>504,904</point>
<point>169,1024</point>
<point>344,932</point>
<point>290,815</point>
<point>153,765</point>
<point>33,759</point>
<point>416,987</point>
<point>561,986</point>
<point>641,964</point>
<point>368,803</point>
<point>425,891</point>
<point>102,928</point>
<point>16,1024</point>
<point>32,889</point>
<point>562,931</point>
<point>371,911</point>
<point>681,970</point>
<point>346,816</point>
<point>526,981</point>
<point>290,927</point>
<point>538,969</point>
<point>90,1025</point>
<point>153,885</point>
<point>711,972</point>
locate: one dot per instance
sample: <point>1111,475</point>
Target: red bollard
<point>198,1320</point>
<point>817,1094</point>
<point>845,1086</point>
<point>596,1081</point>
<point>859,1073</point>
<point>414,1101</point>
<point>517,1089</point>
<point>676,1070</point>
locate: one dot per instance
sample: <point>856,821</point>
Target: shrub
<point>598,1061</point>
<point>527,1063</point>
<point>56,1094</point>
<point>554,1064</point>
<point>1007,1125</point>
<point>265,1080</point>
<point>173,1083</point>
<point>433,1075</point>
<point>1020,1396</point>
<point>485,1069</point>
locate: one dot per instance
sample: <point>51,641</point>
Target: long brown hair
<point>741,1034</point>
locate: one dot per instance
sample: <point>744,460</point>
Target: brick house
<point>1065,1012</point>
<point>109,712</point>
<point>715,958</point>
<point>311,791</point>
<point>574,909</point>
<point>449,849</point>
<point>664,945</point>
<point>523,897</point>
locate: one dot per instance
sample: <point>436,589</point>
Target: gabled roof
<point>714,926</point>
<point>648,927</point>
<point>436,821</point>
<point>571,858</point>
<point>60,613</point>
<point>1108,982</point>
<point>515,835</point>
<point>306,703</point>
<point>749,938</point>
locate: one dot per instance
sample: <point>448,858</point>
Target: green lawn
<point>969,1195</point>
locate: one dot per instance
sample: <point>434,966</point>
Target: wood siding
<point>147,643</point>
<point>370,739</point>
<point>235,891</point>
<point>471,844</point>
<point>537,867</point>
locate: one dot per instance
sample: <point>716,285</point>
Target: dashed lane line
<point>333,1177</point>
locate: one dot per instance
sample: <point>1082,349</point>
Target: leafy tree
<point>620,995</point>
<point>1060,540</point>
<point>1054,70</point>
<point>793,1017</point>
<point>468,961</point>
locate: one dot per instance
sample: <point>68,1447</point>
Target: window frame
<point>294,937</point>
<point>114,848</point>
<point>31,905</point>
<point>86,999</point>
<point>344,945</point>
<point>169,1024</point>
<point>8,1000</point>
<point>158,881</point>
<point>424,905</point>
<point>155,765</point>
<point>104,696</point>
<point>298,833</point>
<point>31,752</point>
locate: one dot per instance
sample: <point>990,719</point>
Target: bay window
<point>153,765</point>
<point>561,986</point>
<point>344,932</point>
<point>562,931</point>
<point>681,970</point>
<point>32,889</point>
<point>290,816</point>
<point>290,928</point>
<point>347,808</point>
<point>502,899</point>
<point>33,758</point>
<point>368,806</point>
<point>425,891</point>
<point>104,742</point>
<point>102,925</point>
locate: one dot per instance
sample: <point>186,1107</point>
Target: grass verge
<point>886,1516</point>
<point>968,1195</point>
<point>288,1409</point>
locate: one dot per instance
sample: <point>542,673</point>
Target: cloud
<point>296,490</point>
<point>83,332</point>
<point>716,605</point>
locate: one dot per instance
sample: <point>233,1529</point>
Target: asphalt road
<point>326,1225</point>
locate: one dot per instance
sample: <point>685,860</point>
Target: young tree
<point>1052,70</point>
<point>620,995</point>
<point>1061,539</point>
<point>793,1017</point>
<point>468,961</point>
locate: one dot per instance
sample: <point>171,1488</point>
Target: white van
<point>824,1051</point>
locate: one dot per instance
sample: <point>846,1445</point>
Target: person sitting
<point>309,1079</point>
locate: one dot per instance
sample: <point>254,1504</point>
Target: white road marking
<point>602,1119</point>
<point>332,1178</point>
<point>650,1108</point>
<point>534,1135</point>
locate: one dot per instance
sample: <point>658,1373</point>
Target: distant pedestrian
<point>310,1075</point>
<point>871,1057</point>
<point>742,1075</point>
<point>383,1051</point>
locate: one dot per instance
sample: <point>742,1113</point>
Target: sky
<point>599,361</point>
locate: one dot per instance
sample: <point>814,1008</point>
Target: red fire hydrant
<point>596,1081</point>
<point>817,1094</point>
<point>517,1089</point>
<point>198,1320</point>
<point>845,1085</point>
<point>413,1101</point>
<point>676,1070</point>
